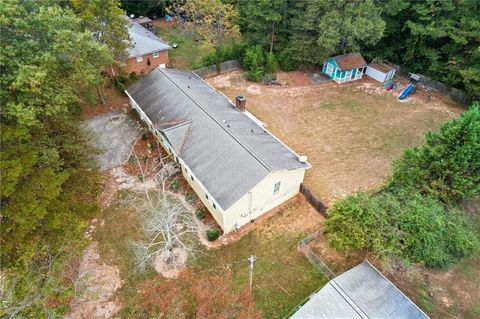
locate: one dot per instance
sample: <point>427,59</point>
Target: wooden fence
<point>314,201</point>
<point>218,68</point>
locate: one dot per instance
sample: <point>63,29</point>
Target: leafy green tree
<point>405,225</point>
<point>47,61</point>
<point>438,38</point>
<point>447,166</point>
<point>211,20</point>
<point>144,7</point>
<point>321,28</point>
<point>106,20</point>
<point>260,21</point>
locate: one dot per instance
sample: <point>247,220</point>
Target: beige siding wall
<point>262,198</point>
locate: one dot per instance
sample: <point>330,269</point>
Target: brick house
<point>146,53</point>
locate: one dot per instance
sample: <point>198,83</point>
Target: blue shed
<point>345,67</point>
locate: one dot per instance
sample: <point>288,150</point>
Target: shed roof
<point>225,149</point>
<point>142,19</point>
<point>382,67</point>
<point>350,61</point>
<point>361,292</point>
<point>143,41</point>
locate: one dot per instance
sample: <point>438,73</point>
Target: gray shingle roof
<point>225,149</point>
<point>361,292</point>
<point>143,41</point>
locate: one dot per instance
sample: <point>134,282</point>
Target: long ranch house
<point>237,168</point>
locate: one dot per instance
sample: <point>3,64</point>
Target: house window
<point>191,178</point>
<point>276,187</point>
<point>206,196</point>
<point>139,58</point>
<point>214,205</point>
<point>156,54</point>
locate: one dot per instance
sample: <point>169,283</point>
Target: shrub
<point>271,65</point>
<point>133,76</point>
<point>447,166</point>
<point>285,61</point>
<point>175,185</point>
<point>224,53</point>
<point>189,197</point>
<point>403,224</point>
<point>200,213</point>
<point>122,79</point>
<point>212,234</point>
<point>120,87</point>
<point>258,65</point>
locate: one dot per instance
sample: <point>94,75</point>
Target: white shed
<point>380,71</point>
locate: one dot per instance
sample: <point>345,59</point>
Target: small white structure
<point>380,71</point>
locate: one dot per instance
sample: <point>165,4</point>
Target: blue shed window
<point>339,73</point>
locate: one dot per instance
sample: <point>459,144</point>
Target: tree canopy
<point>438,38</point>
<point>51,60</point>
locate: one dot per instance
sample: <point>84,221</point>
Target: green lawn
<point>189,53</point>
<point>282,278</point>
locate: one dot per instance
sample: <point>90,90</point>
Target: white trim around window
<point>156,54</point>
<point>139,59</point>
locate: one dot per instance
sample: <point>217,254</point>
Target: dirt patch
<point>99,282</point>
<point>114,102</point>
<point>171,268</point>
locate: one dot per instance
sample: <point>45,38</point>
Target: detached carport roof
<point>360,293</point>
<point>226,150</point>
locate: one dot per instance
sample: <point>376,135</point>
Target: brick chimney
<point>241,103</point>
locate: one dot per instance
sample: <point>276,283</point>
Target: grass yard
<point>282,278</point>
<point>189,53</point>
<point>350,132</point>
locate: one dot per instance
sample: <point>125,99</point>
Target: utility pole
<point>251,260</point>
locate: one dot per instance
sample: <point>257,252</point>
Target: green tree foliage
<point>144,7</point>
<point>259,65</point>
<point>407,225</point>
<point>106,20</point>
<point>322,28</point>
<point>50,60</point>
<point>47,61</point>
<point>261,21</point>
<point>437,38</point>
<point>414,217</point>
<point>211,20</point>
<point>447,166</point>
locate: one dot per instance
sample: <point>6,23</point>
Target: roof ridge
<point>215,120</point>
<point>348,299</point>
<point>176,125</point>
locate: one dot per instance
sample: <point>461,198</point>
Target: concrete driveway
<point>114,134</point>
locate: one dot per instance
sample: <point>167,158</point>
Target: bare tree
<point>165,223</point>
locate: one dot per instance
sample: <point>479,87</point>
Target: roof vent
<point>241,103</point>
<point>302,159</point>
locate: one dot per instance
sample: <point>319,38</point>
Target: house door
<point>348,75</point>
<point>329,69</point>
